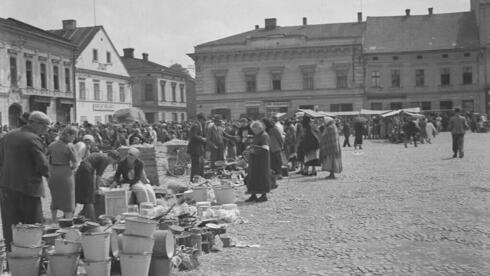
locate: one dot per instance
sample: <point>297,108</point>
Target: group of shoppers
<point>74,173</point>
<point>270,147</point>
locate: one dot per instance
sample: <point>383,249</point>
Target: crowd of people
<point>271,146</point>
<point>74,157</point>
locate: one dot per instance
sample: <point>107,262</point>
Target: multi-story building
<point>157,90</point>
<point>481,9</point>
<point>429,61</point>
<point>36,73</point>
<point>102,81</point>
<point>279,69</point>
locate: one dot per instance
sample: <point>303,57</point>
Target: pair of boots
<point>253,198</point>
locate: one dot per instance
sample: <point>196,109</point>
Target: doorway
<point>15,110</point>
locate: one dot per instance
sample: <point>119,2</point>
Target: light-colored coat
<point>430,130</point>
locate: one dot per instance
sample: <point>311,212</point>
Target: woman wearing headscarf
<point>131,171</point>
<point>330,153</point>
<point>310,146</point>
<point>259,175</point>
<point>62,161</point>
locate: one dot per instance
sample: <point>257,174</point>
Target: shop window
<point>396,105</point>
<point>446,105</point>
<point>426,106</point>
<point>468,105</point>
<point>174,117</point>
<point>98,119</point>
<point>376,106</point>
<point>182,117</point>
<point>29,73</point>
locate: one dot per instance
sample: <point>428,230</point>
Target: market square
<point>244,138</point>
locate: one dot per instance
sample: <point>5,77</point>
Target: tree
<point>179,68</point>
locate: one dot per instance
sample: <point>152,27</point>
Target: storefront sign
<point>103,107</point>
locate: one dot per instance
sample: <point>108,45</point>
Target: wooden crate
<point>116,201</point>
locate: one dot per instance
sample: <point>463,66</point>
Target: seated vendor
<point>131,169</point>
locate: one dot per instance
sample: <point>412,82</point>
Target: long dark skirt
<point>259,178</point>
<point>358,138</point>
<point>85,184</point>
<point>276,162</point>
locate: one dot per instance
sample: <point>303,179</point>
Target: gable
<point>101,42</point>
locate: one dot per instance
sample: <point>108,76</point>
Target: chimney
<point>407,12</point>
<point>359,17</point>
<point>145,56</point>
<point>431,11</point>
<point>128,52</point>
<point>305,21</point>
<point>270,23</point>
<point>256,27</point>
<point>69,24</point>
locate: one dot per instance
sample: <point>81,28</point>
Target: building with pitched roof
<point>429,61</point>
<point>157,90</point>
<point>277,69</point>
<point>102,81</point>
<point>433,61</point>
<point>36,73</point>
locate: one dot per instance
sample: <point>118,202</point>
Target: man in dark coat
<point>197,146</point>
<point>23,164</point>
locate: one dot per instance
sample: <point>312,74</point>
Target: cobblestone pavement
<point>394,211</point>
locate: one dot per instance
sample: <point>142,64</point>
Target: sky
<point>169,29</point>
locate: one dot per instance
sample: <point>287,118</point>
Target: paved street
<point>394,211</point>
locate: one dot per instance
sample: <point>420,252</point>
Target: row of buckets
<point>223,194</point>
<point>144,251</point>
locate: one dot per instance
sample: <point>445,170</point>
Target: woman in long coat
<point>310,146</point>
<point>62,161</point>
<point>330,152</point>
<point>259,173</point>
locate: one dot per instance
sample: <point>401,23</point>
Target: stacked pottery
<point>96,250</point>
<point>137,246</point>
<point>26,250</point>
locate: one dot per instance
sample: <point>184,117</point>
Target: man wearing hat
<point>23,164</point>
<point>196,146</point>
<point>216,143</point>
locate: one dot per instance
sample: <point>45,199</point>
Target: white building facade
<point>102,82</point>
